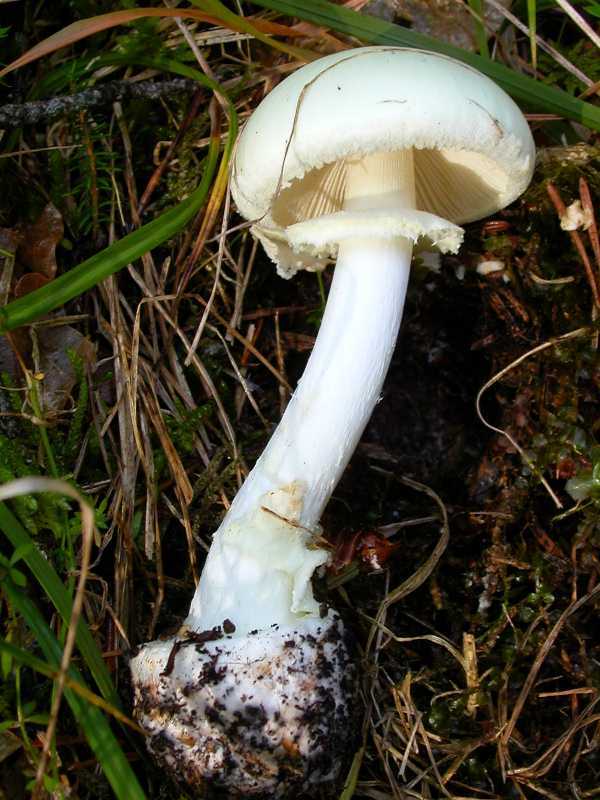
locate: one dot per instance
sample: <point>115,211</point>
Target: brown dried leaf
<point>55,347</point>
<point>29,283</point>
<point>301,342</point>
<point>38,248</point>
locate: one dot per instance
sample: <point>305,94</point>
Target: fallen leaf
<point>301,342</point>
<point>29,283</point>
<point>38,248</point>
<point>56,346</point>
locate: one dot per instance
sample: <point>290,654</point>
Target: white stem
<point>259,561</point>
<point>341,383</point>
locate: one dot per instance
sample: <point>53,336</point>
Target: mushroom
<point>354,157</point>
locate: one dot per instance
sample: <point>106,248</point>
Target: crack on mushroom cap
<point>321,236</point>
<point>470,138</point>
<point>473,150</point>
<point>264,716</point>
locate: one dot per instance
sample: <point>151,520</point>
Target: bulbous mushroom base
<point>266,714</point>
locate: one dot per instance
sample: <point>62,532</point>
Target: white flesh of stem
<point>259,567</point>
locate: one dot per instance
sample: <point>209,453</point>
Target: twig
<point>588,207</point>
<point>544,346</point>
<point>14,115</point>
<point>159,171</point>
<point>593,89</point>
<point>558,57</point>
<point>541,656</point>
<point>283,395</point>
<point>561,209</point>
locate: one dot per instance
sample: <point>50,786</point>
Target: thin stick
<point>544,346</point>
<point>561,209</point>
<point>588,207</point>
<point>14,115</point>
<point>560,59</point>
<point>160,170</point>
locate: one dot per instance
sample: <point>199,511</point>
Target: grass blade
<point>84,28</point>
<point>235,22</point>
<point>48,579</point>
<point>476,7</point>
<point>580,21</point>
<point>532,25</point>
<point>26,659</point>
<point>531,93</point>
<point>352,779</point>
<point>93,723</point>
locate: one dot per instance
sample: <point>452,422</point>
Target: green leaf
<point>533,94</point>
<point>18,577</point>
<point>38,719</point>
<point>94,724</point>
<point>6,667</point>
<point>352,779</point>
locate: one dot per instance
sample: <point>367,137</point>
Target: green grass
<point>92,721</point>
<point>50,582</point>
<point>476,7</point>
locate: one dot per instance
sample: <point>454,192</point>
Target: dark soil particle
<point>212,715</point>
<point>210,635</point>
<point>161,743</point>
<point>211,675</point>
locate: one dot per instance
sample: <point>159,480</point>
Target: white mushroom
<point>355,156</point>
